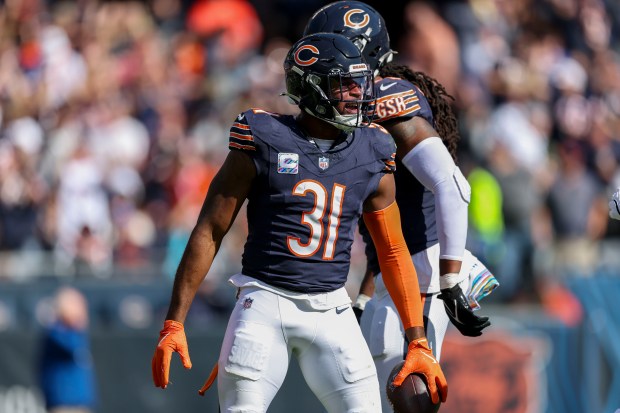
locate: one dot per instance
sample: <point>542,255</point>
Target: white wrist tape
<point>360,301</point>
<point>449,280</point>
<point>432,165</point>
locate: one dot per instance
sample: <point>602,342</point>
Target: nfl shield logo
<point>247,303</point>
<point>323,162</point>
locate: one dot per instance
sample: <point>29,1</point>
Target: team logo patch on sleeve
<point>288,163</point>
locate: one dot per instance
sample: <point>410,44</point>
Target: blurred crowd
<point>114,118</point>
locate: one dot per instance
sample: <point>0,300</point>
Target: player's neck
<point>317,128</point>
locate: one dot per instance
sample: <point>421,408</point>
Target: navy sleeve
<point>241,137</point>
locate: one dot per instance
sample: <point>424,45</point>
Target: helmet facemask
<point>340,99</point>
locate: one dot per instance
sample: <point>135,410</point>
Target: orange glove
<point>420,360</point>
<point>171,339</point>
<point>209,381</point>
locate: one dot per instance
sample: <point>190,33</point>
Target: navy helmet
<point>320,71</point>
<point>359,22</point>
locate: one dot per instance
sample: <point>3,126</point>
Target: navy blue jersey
<point>400,99</point>
<point>305,204</point>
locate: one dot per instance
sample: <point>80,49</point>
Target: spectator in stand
<point>575,230</point>
<point>66,370</point>
<point>84,225</point>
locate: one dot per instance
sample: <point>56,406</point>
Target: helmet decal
<point>359,67</point>
<point>306,62</point>
<point>350,23</point>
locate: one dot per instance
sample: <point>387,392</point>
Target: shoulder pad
<point>383,144</point>
<point>379,127</point>
<point>247,125</point>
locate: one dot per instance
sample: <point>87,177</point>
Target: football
<point>412,396</point>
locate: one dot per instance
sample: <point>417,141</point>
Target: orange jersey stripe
<point>241,126</point>
<point>377,126</point>
<point>239,146</point>
<point>242,137</point>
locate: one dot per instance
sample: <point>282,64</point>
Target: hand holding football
<point>412,396</point>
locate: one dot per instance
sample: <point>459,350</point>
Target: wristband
<point>449,280</point>
<point>360,301</point>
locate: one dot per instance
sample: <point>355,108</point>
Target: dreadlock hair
<point>437,96</point>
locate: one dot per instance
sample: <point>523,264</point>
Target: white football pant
<point>265,328</point>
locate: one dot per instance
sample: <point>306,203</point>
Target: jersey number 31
<point>314,219</point>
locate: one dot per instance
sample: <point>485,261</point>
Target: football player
<point>307,178</point>
<point>432,194</point>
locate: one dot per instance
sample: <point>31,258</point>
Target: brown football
<point>412,396</point>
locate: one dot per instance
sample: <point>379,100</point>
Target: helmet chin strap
<point>347,122</point>
<point>292,99</point>
<point>342,126</point>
